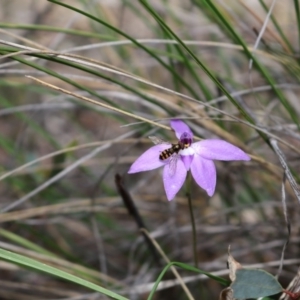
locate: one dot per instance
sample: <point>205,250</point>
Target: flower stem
<point>189,197</point>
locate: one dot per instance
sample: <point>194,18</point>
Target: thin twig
<point>286,169</point>
<point>97,103</point>
<point>134,212</point>
<point>287,221</point>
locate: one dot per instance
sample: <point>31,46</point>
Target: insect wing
<point>172,160</point>
<point>156,140</point>
<point>172,163</point>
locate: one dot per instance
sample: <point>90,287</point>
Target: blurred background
<point>59,155</point>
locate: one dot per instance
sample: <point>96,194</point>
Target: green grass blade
<point>57,29</point>
<point>259,66</point>
<point>88,70</point>
<point>134,41</point>
<point>31,263</point>
<point>186,63</point>
<point>297,11</point>
<point>201,64</point>
<point>188,268</point>
<point>24,242</point>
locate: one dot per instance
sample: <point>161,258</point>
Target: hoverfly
<point>172,153</point>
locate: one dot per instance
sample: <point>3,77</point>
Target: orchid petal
<point>149,160</point>
<point>174,182</point>
<point>204,173</point>
<point>219,150</point>
<point>187,160</point>
<point>180,127</point>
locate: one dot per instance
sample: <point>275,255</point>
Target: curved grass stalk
<point>34,264</point>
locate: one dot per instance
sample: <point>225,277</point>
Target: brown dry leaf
<point>226,294</point>
<point>233,266</point>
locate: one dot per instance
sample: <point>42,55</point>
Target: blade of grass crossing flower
<point>259,66</point>
<point>135,42</point>
<point>34,264</point>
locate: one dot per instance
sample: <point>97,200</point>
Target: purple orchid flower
<point>178,159</point>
